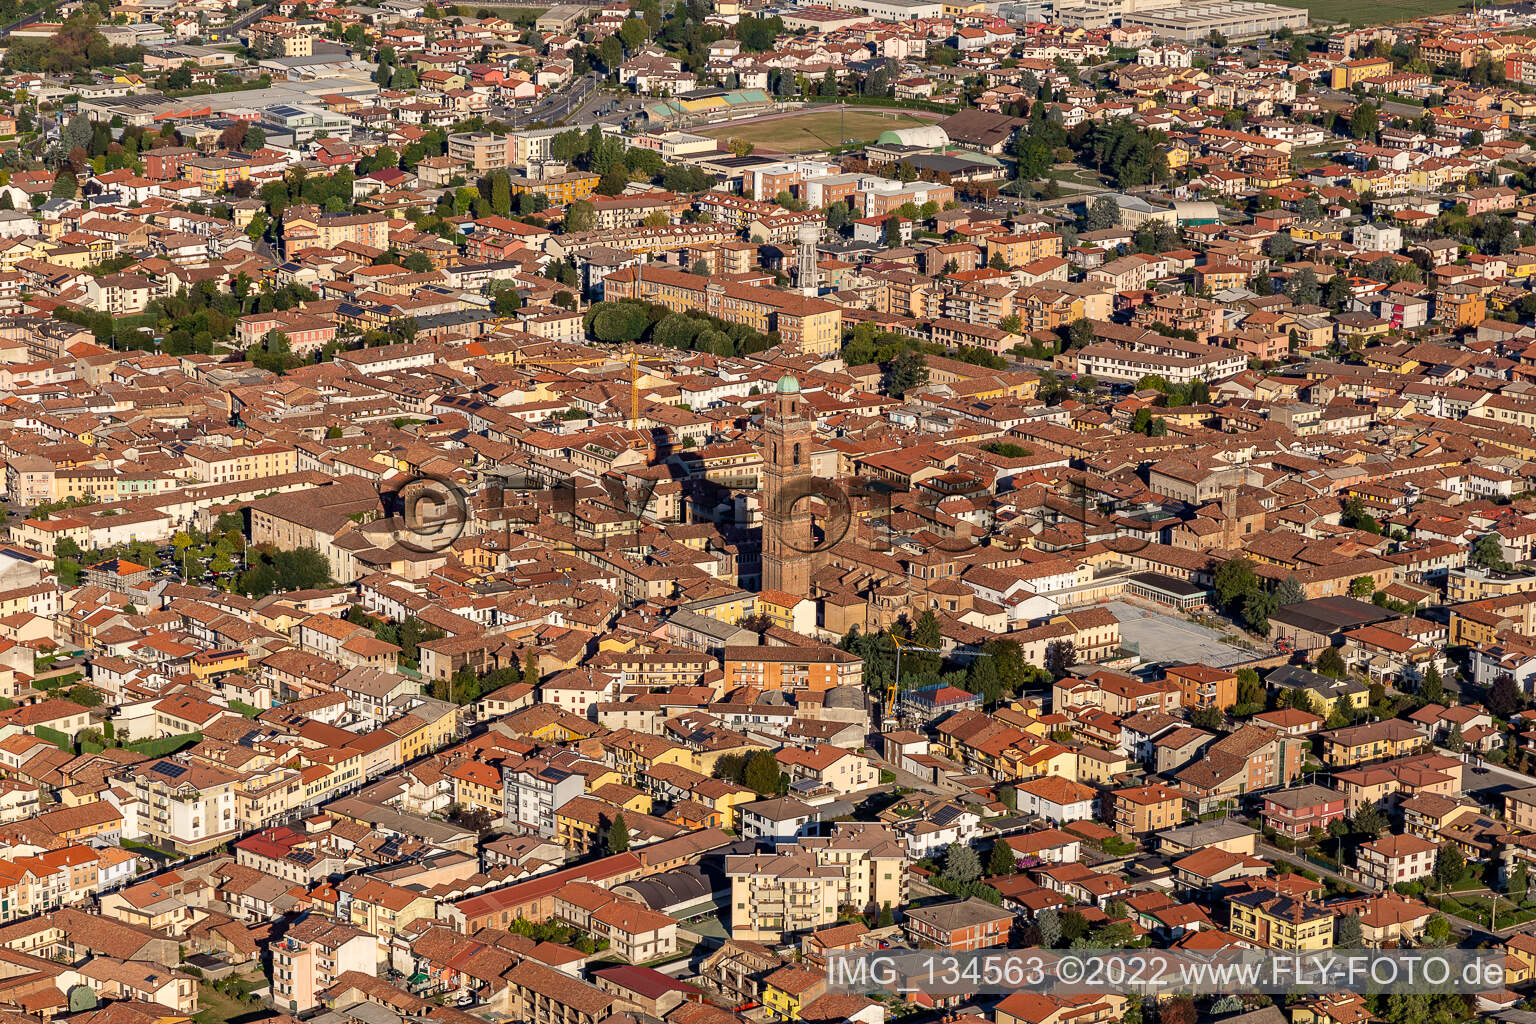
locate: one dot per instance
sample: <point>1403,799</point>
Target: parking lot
<point>1174,641</point>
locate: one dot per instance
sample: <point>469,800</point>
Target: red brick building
<point>1296,812</point>
<point>959,925</point>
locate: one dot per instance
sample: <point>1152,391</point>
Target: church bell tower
<point>787,539</point>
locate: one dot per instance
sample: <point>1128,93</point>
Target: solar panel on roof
<point>170,769</point>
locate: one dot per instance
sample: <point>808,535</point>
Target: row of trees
<point>630,320</point>
<point>1128,155</point>
<point>272,570</point>
<point>76,46</point>
<point>998,669</point>
<point>408,635</point>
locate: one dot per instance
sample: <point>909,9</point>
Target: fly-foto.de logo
<point>956,514</point>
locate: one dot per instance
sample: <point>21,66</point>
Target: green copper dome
<point>788,385</point>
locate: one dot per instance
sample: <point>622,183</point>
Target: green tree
<point>1505,696</point>
<point>1348,932</point>
<point>580,216</point>
<point>1001,861</point>
<point>1487,552</point>
<point>1331,663</point>
<point>906,371</point>
<point>1355,515</point>
<point>1033,155</point>
<point>1235,580</point>
<point>961,864</point>
<point>1519,881</point>
<point>531,669</point>
<point>1362,587</point>
<point>1250,688</point>
<point>1048,923</point>
<point>1368,820</point>
<point>85,696</point>
<point>981,677</point>
<point>1450,865</point>
<point>1104,213</point>
<point>1437,932</point>
<point>761,773</point>
<point>1207,718</point>
<point>501,193</point>
<point>1432,687</point>
<point>1365,122</point>
<point>618,834</point>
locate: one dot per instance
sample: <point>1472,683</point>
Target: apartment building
<point>801,887</point>
<point>1394,860</point>
<point>816,326</point>
<point>305,228</point>
<point>791,668</point>
<point>188,806</point>
<point>1178,362</point>
<point>1280,921</point>
<point>533,791</point>
<point>1205,687</point>
<point>1296,812</point>
<point>1142,809</point>
<point>382,909</point>
<point>481,151</point>
<point>960,925</point>
<point>541,995</point>
<point>1373,741</point>
<point>312,955</point>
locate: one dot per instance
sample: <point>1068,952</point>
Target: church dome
<point>788,385</point>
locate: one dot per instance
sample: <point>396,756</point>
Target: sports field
<point>806,133</point>
<point>1372,12</point>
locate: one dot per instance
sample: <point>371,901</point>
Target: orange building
<point>792,668</point>
<point>1205,687</point>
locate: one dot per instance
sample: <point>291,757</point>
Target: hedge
<point>55,737</point>
<point>165,745</point>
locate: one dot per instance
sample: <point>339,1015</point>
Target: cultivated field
<point>1372,12</point>
<point>801,133</point>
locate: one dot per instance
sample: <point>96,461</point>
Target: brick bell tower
<point>787,538</point>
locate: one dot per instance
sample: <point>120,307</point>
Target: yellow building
<point>241,464</point>
<point>789,988</point>
<point>1472,584</point>
<point>211,664</point>
<point>635,754</point>
<point>815,326</point>
<point>418,737</point>
<point>787,611</point>
<point>1373,741</point>
<point>1352,72</point>
<point>1022,249</point>
<point>1317,231</point>
<point>476,784</point>
<point>561,189</point>
<point>1281,922</point>
<point>384,909</point>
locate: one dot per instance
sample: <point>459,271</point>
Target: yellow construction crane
<point>903,644</point>
<point>630,356</point>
